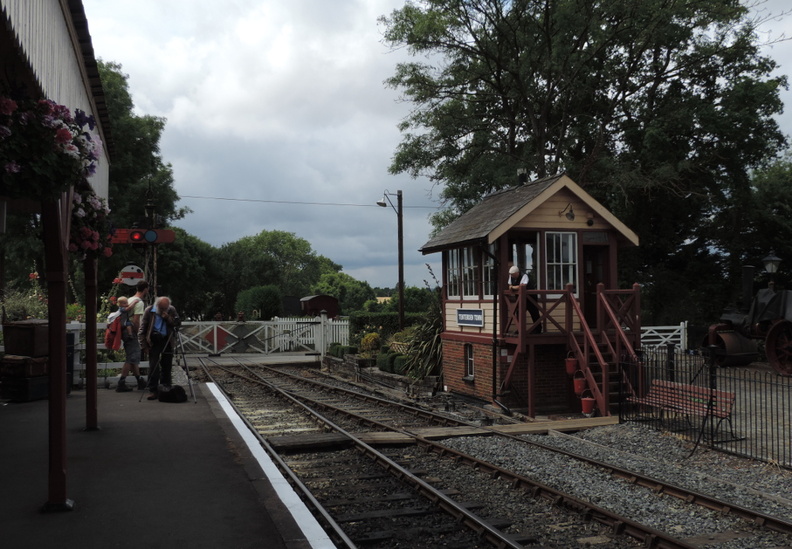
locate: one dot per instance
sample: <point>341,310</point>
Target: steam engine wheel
<point>778,346</point>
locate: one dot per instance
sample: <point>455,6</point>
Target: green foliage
<point>370,343</point>
<point>21,305</point>
<point>386,324</point>
<point>260,302</point>
<point>351,293</point>
<point>190,274</point>
<point>425,350</point>
<point>415,300</point>
<point>400,364</point>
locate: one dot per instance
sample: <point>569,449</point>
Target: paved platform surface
<point>155,475</point>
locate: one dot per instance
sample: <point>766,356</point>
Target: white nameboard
<point>470,317</point>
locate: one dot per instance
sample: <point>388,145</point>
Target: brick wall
<point>553,389</point>
<point>454,367</point>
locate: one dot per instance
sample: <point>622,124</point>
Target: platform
<point>154,475</point>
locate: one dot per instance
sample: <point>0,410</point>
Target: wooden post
<point>91,370</point>
<point>55,221</point>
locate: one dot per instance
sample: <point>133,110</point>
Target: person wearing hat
<point>515,280</point>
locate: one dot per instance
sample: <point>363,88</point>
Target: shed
<point>313,305</point>
<point>507,342</point>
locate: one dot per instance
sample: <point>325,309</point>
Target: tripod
<point>185,367</point>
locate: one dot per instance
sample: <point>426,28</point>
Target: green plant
<point>426,347</point>
<point>370,344</point>
<point>400,363</point>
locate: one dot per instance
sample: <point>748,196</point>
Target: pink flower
<point>108,251</point>
<point>73,247</point>
<point>85,245</point>
<point>116,281</point>
<point>85,232</point>
<point>7,106</point>
<point>63,136</point>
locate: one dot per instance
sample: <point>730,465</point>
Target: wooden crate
<point>24,366</point>
<point>26,338</point>
<point>23,389</point>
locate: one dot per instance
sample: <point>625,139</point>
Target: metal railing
<point>754,422</point>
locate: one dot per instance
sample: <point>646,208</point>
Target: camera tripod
<point>156,368</point>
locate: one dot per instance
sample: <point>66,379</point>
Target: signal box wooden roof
<point>503,210</point>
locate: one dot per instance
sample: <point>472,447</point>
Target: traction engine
<point>769,317</point>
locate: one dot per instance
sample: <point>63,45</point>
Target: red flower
<point>112,299</point>
<point>108,251</point>
<point>33,276</point>
<point>116,281</point>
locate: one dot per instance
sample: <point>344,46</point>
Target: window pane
<point>561,260</point>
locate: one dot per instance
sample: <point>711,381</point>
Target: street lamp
<point>771,262</point>
<point>400,216</point>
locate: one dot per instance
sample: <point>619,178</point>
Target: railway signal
<point>144,236</point>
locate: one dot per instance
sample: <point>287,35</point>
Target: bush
<point>400,364</point>
<point>371,342</point>
<point>382,362</point>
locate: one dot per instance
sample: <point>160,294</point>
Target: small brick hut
<point>510,346</point>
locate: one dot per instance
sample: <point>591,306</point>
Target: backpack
<point>112,340</point>
<point>173,393</point>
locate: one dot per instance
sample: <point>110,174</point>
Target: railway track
<point>488,512</point>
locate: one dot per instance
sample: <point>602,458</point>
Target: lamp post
<point>400,215</point>
<point>771,263</point>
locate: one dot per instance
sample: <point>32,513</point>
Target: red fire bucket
<point>579,382</point>
<point>587,404</point>
<point>571,365</point>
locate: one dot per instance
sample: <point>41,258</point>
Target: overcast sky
<point>271,102</point>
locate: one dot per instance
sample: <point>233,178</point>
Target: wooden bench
<point>689,400</point>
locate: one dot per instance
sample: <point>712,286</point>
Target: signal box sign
<point>143,236</point>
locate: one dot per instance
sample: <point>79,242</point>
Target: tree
<point>416,300</point>
<point>138,174</point>
<point>351,293</point>
<point>273,257</point>
<point>260,302</point>
<point>659,109</point>
<point>189,273</point>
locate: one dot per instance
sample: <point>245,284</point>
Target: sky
<point>278,116</point>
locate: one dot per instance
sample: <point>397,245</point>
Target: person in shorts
<point>133,313</point>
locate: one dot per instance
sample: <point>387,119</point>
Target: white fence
<point>661,336</point>
<point>300,334</point>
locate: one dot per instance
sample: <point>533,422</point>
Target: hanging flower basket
<point>91,231</point>
<point>43,149</point>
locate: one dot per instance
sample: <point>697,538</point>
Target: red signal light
<point>137,237</point>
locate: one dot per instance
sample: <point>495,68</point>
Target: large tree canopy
<point>273,257</point>
<point>659,108</point>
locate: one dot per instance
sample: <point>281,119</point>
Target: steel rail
<point>336,530</point>
<point>412,409</point>
<point>709,502</point>
<point>462,515</point>
<point>650,537</point>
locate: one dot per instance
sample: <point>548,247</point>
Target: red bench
<point>689,400</point>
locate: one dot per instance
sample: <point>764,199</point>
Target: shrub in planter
<point>382,362</point>
<point>349,350</point>
<point>400,364</point>
<point>370,343</point>
<point>333,349</point>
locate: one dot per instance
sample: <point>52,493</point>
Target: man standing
<point>131,344</point>
<point>157,336</point>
